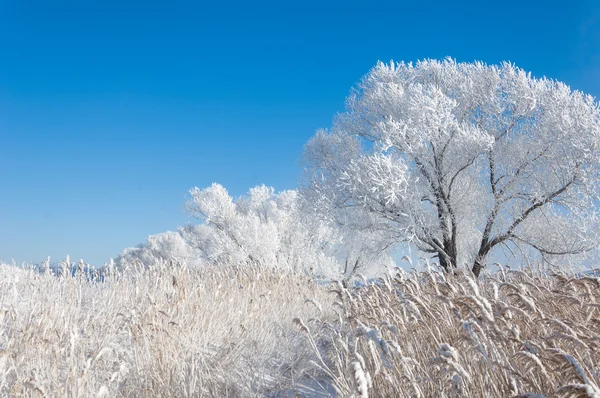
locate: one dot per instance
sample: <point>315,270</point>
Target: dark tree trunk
<point>444,263</point>
<point>479,262</point>
<point>447,257</point>
<point>478,265</point>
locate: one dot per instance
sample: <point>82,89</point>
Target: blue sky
<point>111,110</point>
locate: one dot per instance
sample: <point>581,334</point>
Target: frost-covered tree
<point>461,159</point>
<point>263,227</point>
<point>165,247</point>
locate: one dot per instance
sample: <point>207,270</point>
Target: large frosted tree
<point>461,159</point>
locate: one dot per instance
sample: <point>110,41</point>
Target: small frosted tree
<point>262,227</point>
<point>160,248</point>
<point>461,159</point>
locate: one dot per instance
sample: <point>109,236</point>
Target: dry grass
<point>165,332</point>
<point>241,332</point>
<point>525,334</point>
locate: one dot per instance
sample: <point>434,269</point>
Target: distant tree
<point>461,159</point>
<point>260,228</point>
<point>266,228</point>
<point>165,247</point>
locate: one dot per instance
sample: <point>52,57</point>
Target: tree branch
<point>550,197</point>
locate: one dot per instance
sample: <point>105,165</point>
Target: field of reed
<point>176,331</point>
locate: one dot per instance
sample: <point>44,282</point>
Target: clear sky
<point>111,110</point>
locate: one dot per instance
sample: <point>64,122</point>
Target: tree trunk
<point>482,253</point>
<point>444,263</point>
<point>447,260</point>
<point>478,265</point>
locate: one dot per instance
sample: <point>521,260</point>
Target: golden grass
<point>165,332</point>
<point>520,334</point>
<point>172,331</point>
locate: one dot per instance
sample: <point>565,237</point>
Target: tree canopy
<point>460,159</point>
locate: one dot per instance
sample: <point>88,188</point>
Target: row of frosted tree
<point>462,162</point>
